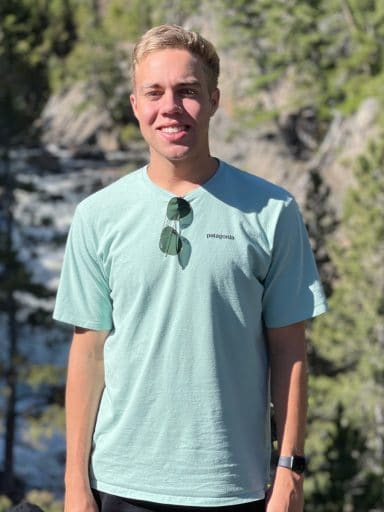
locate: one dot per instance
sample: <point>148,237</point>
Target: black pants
<point>109,503</point>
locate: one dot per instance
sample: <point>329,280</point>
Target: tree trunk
<point>10,309</point>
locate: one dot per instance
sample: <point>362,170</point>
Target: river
<point>51,182</point>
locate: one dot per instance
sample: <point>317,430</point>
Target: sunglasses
<point>170,239</point>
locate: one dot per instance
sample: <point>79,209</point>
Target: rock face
<point>284,152</point>
<point>262,151</point>
<point>71,120</point>
<point>346,139</point>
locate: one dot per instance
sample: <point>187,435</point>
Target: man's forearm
<point>287,351</point>
<point>85,383</point>
<point>289,387</point>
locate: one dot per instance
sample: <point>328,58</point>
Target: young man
<point>188,283</point>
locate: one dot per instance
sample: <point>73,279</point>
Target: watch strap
<point>293,462</point>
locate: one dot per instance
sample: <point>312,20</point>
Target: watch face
<point>298,464</point>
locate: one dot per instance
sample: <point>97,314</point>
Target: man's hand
<point>286,493</point>
<point>77,500</point>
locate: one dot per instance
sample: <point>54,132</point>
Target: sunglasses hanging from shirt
<point>170,239</point>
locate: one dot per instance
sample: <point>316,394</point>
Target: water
<point>43,209</point>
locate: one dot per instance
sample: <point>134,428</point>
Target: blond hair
<point>173,36</point>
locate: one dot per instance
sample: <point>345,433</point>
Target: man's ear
<point>215,100</point>
<point>132,98</point>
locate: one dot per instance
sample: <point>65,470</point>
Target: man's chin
<point>176,156</point>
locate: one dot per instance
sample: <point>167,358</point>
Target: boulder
<point>44,160</point>
<point>72,119</point>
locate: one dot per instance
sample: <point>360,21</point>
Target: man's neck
<point>179,178</point>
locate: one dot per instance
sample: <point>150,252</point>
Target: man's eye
<point>188,91</point>
<point>153,94</point>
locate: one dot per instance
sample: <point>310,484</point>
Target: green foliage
<point>342,465</point>
<point>45,424</point>
<point>100,57</point>
<point>98,62</point>
<point>174,11</point>
<point>43,374</point>
<point>45,500</point>
<point>321,223</point>
<point>130,133</point>
<point>349,341</point>
<point>5,503</point>
<point>331,51</point>
<point>126,21</point>
<point>30,31</point>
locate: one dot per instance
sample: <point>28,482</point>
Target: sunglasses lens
<point>170,242</point>
<point>178,208</point>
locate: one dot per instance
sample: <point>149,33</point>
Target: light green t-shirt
<point>184,416</point>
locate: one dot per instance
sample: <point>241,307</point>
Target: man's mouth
<point>174,129</point>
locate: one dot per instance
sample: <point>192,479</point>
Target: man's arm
<point>288,362</point>
<point>85,383</point>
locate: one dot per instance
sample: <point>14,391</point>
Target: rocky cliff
<point>283,152</point>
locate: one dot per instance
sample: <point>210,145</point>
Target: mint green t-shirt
<point>184,416</point>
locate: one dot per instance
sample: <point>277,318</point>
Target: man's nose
<point>171,103</point>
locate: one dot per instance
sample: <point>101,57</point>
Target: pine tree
<point>26,38</point>
<point>330,52</point>
<point>350,338</point>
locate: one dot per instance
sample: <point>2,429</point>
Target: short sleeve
<point>83,296</point>
<point>292,288</point>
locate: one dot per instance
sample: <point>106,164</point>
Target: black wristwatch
<point>294,463</point>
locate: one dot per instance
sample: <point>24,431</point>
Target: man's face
<point>173,105</point>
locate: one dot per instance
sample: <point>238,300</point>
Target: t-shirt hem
<point>193,501</point>
<point>318,309</point>
<point>85,324</point>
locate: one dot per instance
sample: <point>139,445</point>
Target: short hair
<point>173,36</point>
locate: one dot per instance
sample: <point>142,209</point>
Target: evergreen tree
<point>101,56</point>
<point>28,33</point>
<point>331,52</point>
<point>350,338</point>
<point>321,222</point>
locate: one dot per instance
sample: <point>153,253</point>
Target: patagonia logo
<point>220,236</point>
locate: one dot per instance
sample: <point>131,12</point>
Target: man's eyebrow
<point>184,83</point>
<point>150,86</point>
<point>192,83</point>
